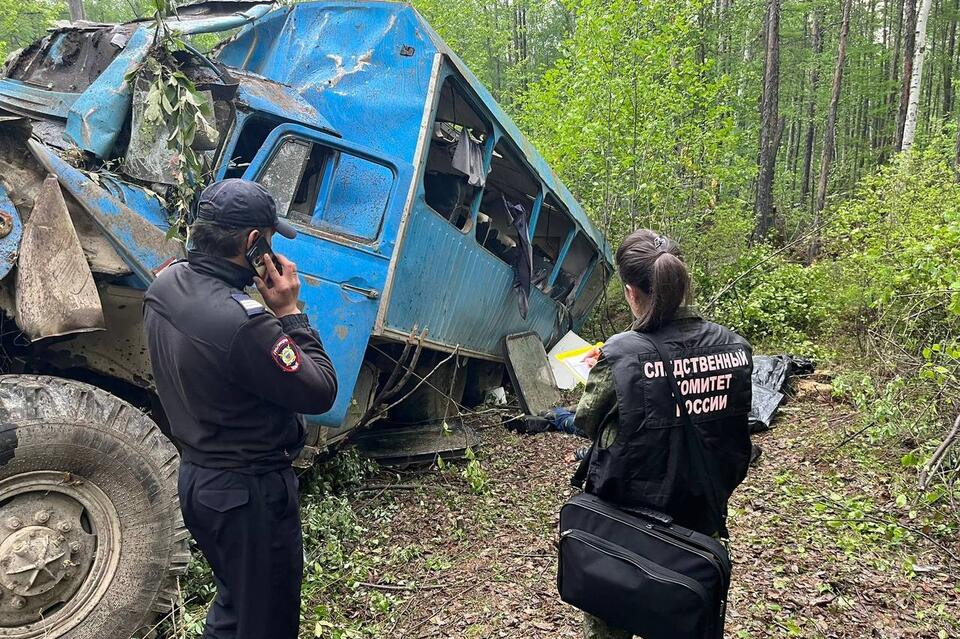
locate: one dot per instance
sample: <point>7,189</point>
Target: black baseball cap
<point>241,204</point>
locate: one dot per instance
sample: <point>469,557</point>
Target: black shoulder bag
<point>636,569</point>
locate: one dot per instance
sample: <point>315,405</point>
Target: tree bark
<point>948,61</point>
<point>769,122</point>
<point>956,155</point>
<point>910,125</point>
<point>76,10</point>
<point>829,131</point>
<point>817,42</point>
<point>909,45</point>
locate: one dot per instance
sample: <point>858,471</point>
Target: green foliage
<point>633,120</point>
<point>896,249</point>
<point>780,305</point>
<point>339,473</point>
<point>176,109</point>
<point>474,474</point>
<point>24,21</point>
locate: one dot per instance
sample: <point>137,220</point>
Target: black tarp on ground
<point>771,374</point>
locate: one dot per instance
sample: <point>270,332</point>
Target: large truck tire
<point>91,536</point>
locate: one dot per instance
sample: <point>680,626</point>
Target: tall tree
<point>830,128</point>
<point>909,45</point>
<point>769,121</point>
<point>817,45</point>
<point>949,61</point>
<point>76,9</point>
<point>910,125</point>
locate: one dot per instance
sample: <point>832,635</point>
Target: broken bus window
<point>510,182</point>
<point>327,189</point>
<point>449,190</point>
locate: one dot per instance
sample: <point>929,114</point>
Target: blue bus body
<point>352,113</point>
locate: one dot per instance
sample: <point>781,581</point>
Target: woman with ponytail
<point>639,457</point>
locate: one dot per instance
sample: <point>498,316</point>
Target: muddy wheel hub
<point>34,561</point>
<point>57,544</point>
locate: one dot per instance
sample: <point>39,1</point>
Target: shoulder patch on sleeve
<point>250,305</point>
<point>286,355</point>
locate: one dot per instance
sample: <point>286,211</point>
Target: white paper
<point>569,342</point>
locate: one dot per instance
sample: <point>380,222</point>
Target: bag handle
<point>695,445</point>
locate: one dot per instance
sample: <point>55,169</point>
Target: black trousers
<point>248,528</point>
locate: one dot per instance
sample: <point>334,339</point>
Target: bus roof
<point>366,67</point>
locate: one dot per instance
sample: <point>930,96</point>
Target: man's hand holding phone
<point>280,292</point>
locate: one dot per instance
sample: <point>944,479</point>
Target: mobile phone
<point>255,257</point>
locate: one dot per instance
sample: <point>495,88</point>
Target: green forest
<point>806,156</point>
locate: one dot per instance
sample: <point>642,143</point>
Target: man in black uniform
<point>232,378</point>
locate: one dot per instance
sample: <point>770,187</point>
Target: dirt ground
<point>821,545</point>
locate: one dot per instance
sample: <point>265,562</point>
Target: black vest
<point>646,461</point>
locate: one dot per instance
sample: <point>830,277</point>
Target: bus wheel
<point>91,537</point>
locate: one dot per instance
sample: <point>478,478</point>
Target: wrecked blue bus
<point>417,202</point>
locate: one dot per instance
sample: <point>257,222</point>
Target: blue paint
<point>56,48</point>
<point>344,59</point>
<point>189,25</point>
<point>138,250</point>
<point>10,243</point>
<point>332,74</point>
<point>266,97</point>
<point>337,270</point>
<point>561,256</point>
<point>96,117</point>
<point>29,100</point>
<point>535,214</point>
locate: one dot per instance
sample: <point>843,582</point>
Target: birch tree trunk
<point>909,47</point>
<point>910,124</point>
<point>769,122</point>
<point>948,61</point>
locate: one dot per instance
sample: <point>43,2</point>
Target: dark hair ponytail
<point>653,264</point>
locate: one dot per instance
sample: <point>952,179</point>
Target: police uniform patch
<point>286,355</point>
<point>251,306</point>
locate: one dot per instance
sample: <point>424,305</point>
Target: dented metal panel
<point>347,60</point>
<point>23,99</point>
<point>367,66</point>
<point>214,17</point>
<point>11,231</point>
<point>359,79</point>
<point>142,245</point>
<point>56,294</point>
<point>266,96</point>
<point>97,115</point>
<point>342,278</point>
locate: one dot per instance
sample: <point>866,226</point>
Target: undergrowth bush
<point>779,305</point>
<point>882,301</point>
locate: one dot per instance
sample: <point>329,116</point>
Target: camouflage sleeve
<point>598,401</point>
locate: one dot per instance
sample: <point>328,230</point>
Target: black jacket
<point>231,377</point>
<point>641,458</point>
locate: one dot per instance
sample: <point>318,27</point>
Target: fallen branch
<point>938,456</point>
<point>420,383</point>
<point>382,487</point>
<point>402,588</point>
<point>729,285</point>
